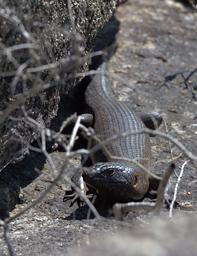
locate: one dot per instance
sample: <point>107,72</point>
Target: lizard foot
<point>74,197</point>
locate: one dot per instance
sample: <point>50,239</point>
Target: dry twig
<point>176,188</point>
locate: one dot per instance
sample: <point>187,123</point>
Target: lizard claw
<point>74,197</point>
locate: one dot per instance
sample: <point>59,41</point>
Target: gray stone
<point>46,26</point>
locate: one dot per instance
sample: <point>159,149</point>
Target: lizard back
<point>115,117</point>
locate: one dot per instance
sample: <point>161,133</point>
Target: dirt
<point>157,53</point>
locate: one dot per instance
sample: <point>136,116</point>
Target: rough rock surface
<point>45,26</point>
<point>158,237</point>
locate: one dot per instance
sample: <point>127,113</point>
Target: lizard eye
<point>110,172</point>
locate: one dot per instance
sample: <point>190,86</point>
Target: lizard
<point>116,178</point>
<point>113,177</point>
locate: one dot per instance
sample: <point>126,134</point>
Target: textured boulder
<point>38,50</point>
<point>159,237</point>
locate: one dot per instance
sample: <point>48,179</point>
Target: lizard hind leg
<point>151,120</point>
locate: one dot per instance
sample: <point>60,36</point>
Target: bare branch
<point>7,240</point>
<point>176,188</point>
<point>177,143</point>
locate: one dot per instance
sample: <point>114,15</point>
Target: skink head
<point>117,181</point>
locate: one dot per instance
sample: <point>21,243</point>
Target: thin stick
<point>162,187</point>
<point>179,145</point>
<point>7,240</point>
<point>176,188</point>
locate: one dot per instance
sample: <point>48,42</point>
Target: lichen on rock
<point>38,49</point>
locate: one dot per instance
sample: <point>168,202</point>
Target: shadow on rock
<point>16,176</point>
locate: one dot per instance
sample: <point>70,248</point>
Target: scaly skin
<point>117,179</point>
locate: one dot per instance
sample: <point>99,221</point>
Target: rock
<point>9,196</point>
<point>159,237</point>
<point>41,31</point>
